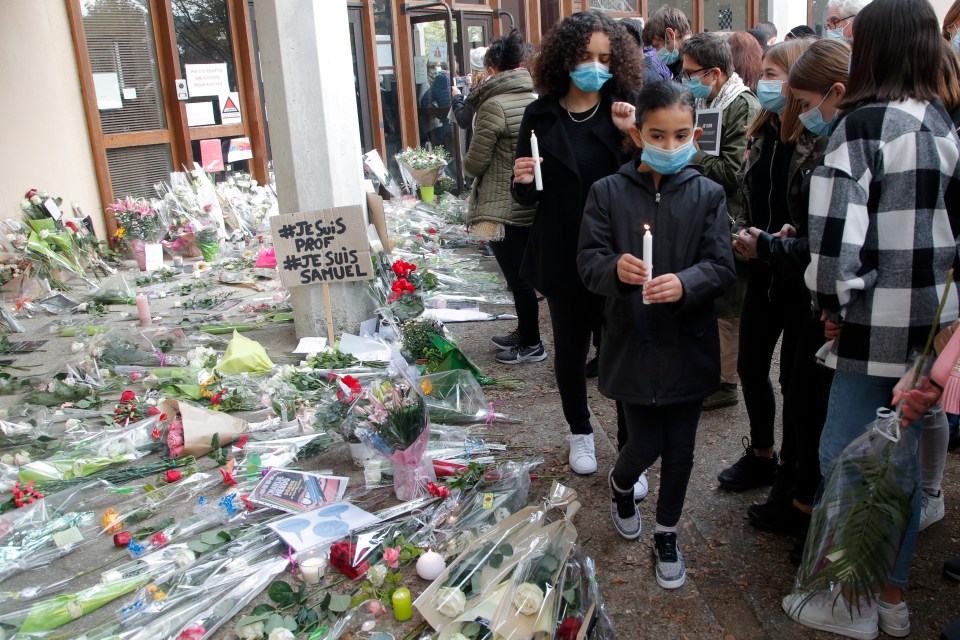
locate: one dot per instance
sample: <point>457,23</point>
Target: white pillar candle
<point>535,152</point>
<point>430,565</point>
<point>648,256</point>
<point>312,570</point>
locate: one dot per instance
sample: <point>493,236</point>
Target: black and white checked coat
<point>880,239</point>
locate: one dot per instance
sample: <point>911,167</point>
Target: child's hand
<point>523,170</point>
<point>631,270</point>
<point>623,114</point>
<point>665,288</point>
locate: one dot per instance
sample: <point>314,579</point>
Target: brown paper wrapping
<point>200,425</point>
<point>425,177</point>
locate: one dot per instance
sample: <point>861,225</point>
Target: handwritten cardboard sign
<point>314,247</point>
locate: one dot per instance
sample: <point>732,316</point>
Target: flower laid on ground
<point>450,601</point>
<point>192,633</point>
<point>252,631</point>
<point>438,491</point>
<point>403,269</point>
<point>175,437</point>
<point>25,496</point>
<point>136,220</point>
<point>228,478</point>
<point>341,556</point>
<point>391,555</point>
<point>528,598</point>
<point>401,287</point>
<point>172,476</point>
<point>132,409</point>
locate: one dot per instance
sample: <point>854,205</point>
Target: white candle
<point>535,152</point>
<point>648,256</point>
<point>178,261</point>
<point>430,565</point>
<point>312,570</point>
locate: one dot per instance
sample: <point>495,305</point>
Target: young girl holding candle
<point>660,352</point>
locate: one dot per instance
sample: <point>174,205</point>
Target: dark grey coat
<point>658,354</point>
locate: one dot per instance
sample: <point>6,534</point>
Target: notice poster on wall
<point>239,150</point>
<point>420,69</point>
<point>200,114</point>
<point>211,155</point>
<point>107,88</point>
<point>207,79</point>
<point>230,108</point>
<point>316,247</point>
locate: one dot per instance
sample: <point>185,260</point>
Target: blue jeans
<point>851,411</point>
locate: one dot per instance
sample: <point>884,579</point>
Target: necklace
<point>592,113</point>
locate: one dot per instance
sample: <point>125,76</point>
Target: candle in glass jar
<point>402,606</point>
<point>648,256</point>
<point>312,570</point>
<point>430,565</point>
<point>143,310</point>
<point>535,152</point>
<point>178,262</point>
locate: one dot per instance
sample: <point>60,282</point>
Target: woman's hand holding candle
<point>631,270</point>
<point>523,170</point>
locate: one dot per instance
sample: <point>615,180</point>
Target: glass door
<point>360,86</point>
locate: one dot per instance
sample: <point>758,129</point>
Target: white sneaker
<point>640,488</point>
<point>894,619</point>
<point>829,611</point>
<point>583,458</point>
<point>931,509</point>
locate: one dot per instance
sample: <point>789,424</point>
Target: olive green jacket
<point>499,104</point>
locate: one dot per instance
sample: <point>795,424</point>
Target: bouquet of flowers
<point>136,221</point>
<point>391,418</point>
<point>132,409</point>
<point>12,268</point>
<point>423,166</point>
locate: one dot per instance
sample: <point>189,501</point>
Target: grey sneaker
<point>623,509</point>
<point>671,570</point>
<point>517,355</point>
<point>508,341</point>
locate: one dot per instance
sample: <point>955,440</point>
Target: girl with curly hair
<point>587,66</point>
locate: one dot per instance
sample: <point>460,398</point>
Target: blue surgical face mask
<point>669,57</point>
<point>697,88</point>
<point>667,162</point>
<point>814,122</point>
<point>835,34</point>
<point>590,76</point>
<point>955,41</point>
<point>770,94</point>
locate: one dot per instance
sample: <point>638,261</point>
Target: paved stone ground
<point>737,575</point>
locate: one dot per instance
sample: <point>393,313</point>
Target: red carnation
<point>30,194</point>
<point>228,477</point>
<point>153,411</point>
<point>241,442</point>
<point>431,230</point>
<point>173,475</point>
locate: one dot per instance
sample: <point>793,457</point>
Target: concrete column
<point>307,69</point>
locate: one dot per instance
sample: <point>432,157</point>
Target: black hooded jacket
<point>658,354</point>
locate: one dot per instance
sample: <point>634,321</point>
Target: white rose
<point>25,205</point>
<point>71,423</point>
<point>528,599</point>
<point>184,558</point>
<point>377,575</point>
<point>77,347</point>
<point>36,200</point>
<point>281,633</point>
<point>21,458</point>
<point>70,382</point>
<point>252,631</point>
<point>450,602</point>
<point>82,307</point>
<point>6,458</point>
<point>6,486</point>
<point>237,565</point>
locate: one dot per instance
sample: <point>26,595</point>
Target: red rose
<point>173,475</point>
<point>208,208</point>
<point>159,538</point>
<point>568,629</point>
<point>216,399</point>
<point>30,194</point>
<point>241,442</point>
<point>122,539</point>
<point>128,396</point>
<point>431,230</point>
<point>227,477</point>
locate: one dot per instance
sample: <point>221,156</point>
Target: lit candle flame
<point>646,227</point>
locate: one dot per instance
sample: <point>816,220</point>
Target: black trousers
<point>509,255</point>
<point>806,403</point>
<point>573,317</point>
<point>665,432</point>
<point>772,306</point>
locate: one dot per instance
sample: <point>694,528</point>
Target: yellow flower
<point>159,595</point>
<point>119,233</point>
<point>111,521</point>
<point>426,386</point>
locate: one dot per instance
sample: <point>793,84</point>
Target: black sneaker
<point>517,355</point>
<point>623,510</point>
<point>779,517</point>
<point>951,568</point>
<point>671,570</point>
<point>508,341</point>
<point>749,471</point>
<point>784,484</point>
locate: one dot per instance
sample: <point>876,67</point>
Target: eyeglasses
<point>689,73</point>
<point>834,23</point>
